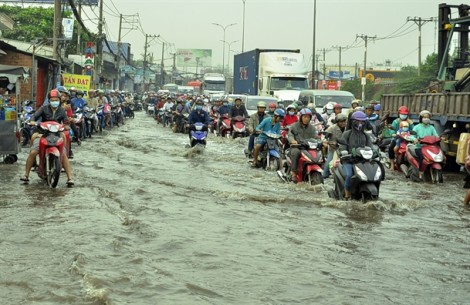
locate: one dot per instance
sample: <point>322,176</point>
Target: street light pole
<point>228,54</point>
<point>314,47</point>
<point>223,51</point>
<point>243,31</point>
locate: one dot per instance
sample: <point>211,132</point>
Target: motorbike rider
<point>291,116</point>
<point>223,110</point>
<point>271,108</point>
<point>253,122</point>
<point>198,115</point>
<point>317,119</point>
<point>179,113</point>
<point>269,124</point>
<point>51,112</point>
<point>238,110</point>
<point>328,113</point>
<point>298,133</point>
<point>354,104</point>
<point>403,116</point>
<point>423,129</point>
<point>332,134</point>
<point>168,106</point>
<point>354,138</point>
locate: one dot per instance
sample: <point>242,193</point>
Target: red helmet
<point>54,93</point>
<point>337,105</point>
<point>403,110</point>
<point>272,105</point>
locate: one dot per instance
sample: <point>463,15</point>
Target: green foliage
<point>37,23</point>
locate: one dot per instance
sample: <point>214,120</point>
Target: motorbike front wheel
<point>436,176</point>
<point>53,167</point>
<point>274,164</point>
<point>315,178</point>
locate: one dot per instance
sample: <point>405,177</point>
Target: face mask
<point>403,116</point>
<point>358,126</point>
<point>272,109</point>
<point>198,107</point>
<point>329,111</point>
<point>291,112</point>
<point>426,121</point>
<point>225,104</point>
<point>54,104</point>
<point>405,129</point>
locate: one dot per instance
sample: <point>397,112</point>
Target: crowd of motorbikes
<point>369,163</point>
<point>87,121</point>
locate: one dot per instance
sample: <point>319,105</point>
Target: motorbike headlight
<point>439,157</point>
<point>360,173</point>
<point>378,174</point>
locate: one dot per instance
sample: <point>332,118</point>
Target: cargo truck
<point>213,83</point>
<point>274,72</point>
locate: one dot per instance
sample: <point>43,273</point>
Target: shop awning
<point>13,72</point>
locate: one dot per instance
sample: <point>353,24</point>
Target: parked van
<point>322,97</point>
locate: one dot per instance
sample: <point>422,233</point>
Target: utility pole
<point>118,51</point>
<point>317,60</point>
<point>324,64</point>
<point>56,33</point>
<point>173,72</point>
<point>339,66</point>
<point>419,22</point>
<point>79,29</point>
<point>363,81</point>
<point>145,58</point>
<point>162,78</point>
<point>99,45</point>
<point>314,56</point>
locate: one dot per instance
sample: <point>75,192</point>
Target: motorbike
<point>226,126</point>
<point>213,125</point>
<point>198,134</point>
<point>309,168</point>
<point>239,128</point>
<point>51,148</point>
<point>151,109</point>
<point>79,120</point>
<point>269,156</point>
<point>433,161</point>
<point>26,128</point>
<point>368,173</point>
<point>90,121</point>
<point>167,118</point>
<point>101,119</point>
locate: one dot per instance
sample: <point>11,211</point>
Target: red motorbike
<point>225,127</point>
<point>239,128</point>
<point>309,168</point>
<point>51,148</point>
<point>401,162</point>
<point>433,160</point>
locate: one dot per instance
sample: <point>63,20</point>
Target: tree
<point>36,24</point>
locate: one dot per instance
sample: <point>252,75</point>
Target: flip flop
<point>70,182</point>
<point>24,179</point>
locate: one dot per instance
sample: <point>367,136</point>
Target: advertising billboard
<point>80,82</point>
<point>193,57</point>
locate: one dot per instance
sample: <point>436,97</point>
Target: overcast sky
<point>278,24</point>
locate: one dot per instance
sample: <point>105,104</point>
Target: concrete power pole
<point>162,71</point>
<point>363,81</point>
<point>99,45</point>
<point>118,51</point>
<point>419,22</point>
<point>339,48</point>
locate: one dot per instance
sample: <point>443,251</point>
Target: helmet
<point>79,92</point>
<point>424,112</point>
<point>377,107</point>
<point>199,102</point>
<point>403,110</point>
<point>62,89</point>
<point>341,117</point>
<point>100,91</point>
<point>279,112</point>
<point>73,89</point>
<point>359,116</point>
<point>290,107</point>
<point>272,105</point>
<point>337,105</point>
<point>357,102</point>
<point>329,106</point>
<point>359,108</point>
<point>54,93</point>
<point>369,107</point>
<point>311,106</point>
<point>261,105</point>
<point>404,123</point>
<point>305,111</point>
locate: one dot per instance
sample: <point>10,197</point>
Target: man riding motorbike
<point>198,115</point>
<point>354,138</point>
<point>238,110</point>
<point>51,112</point>
<point>299,132</point>
<point>269,124</point>
<point>253,122</point>
<point>333,133</point>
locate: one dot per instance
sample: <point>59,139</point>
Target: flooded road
<point>151,222</point>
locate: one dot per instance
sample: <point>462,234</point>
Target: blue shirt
<point>198,117</point>
<point>224,109</point>
<point>77,103</point>
<point>267,126</point>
